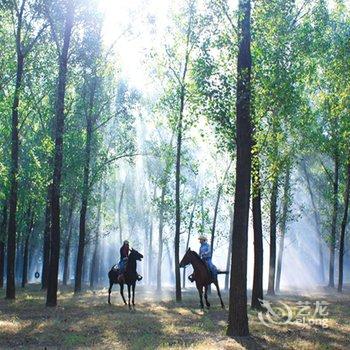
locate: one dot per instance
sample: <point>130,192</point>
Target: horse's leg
<point>206,296</point>
<point>219,294</point>
<point>133,293</point>
<point>109,291</point>
<point>122,292</point>
<point>200,291</point>
<point>129,296</point>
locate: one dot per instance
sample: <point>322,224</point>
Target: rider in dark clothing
<point>124,254</point>
<point>124,250</point>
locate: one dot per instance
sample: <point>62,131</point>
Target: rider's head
<point>202,239</point>
<point>126,242</point>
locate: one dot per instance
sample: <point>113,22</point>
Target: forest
<point>175,126</point>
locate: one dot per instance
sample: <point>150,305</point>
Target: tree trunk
<point>273,229</point>
<point>120,214</point>
<point>190,224</point>
<point>286,201</point>
<point>2,261</point>
<point>316,218</point>
<point>2,243</point>
<point>170,261</point>
<point>343,228</point>
<point>177,199</point>
<point>32,257</point>
<point>150,241</point>
<point>67,243</point>
<point>160,240</point>
<point>213,228</point>
<point>238,319</point>
<point>85,196</point>
<point>217,209</point>
<point>94,270</point>
<point>334,219</point>
<point>257,292</point>
<point>51,299</point>
<point>66,257</point>
<point>26,249</point>
<point>85,274</point>
<point>229,253</point>
<point>12,224</point>
<point>178,165</point>
<point>46,245</point>
<point>150,251</point>
<point>19,261</point>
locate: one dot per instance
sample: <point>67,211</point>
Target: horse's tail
<point>223,272</point>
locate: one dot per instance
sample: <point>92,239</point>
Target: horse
<point>130,277</point>
<point>202,276</point>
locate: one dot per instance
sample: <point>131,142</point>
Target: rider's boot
<point>139,277</point>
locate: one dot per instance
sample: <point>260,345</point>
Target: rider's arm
<point>205,251</point>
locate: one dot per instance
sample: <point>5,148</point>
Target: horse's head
<point>186,260</point>
<point>134,254</point>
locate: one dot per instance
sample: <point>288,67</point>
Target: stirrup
<point>190,277</point>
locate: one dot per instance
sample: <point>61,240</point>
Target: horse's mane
<point>196,255</point>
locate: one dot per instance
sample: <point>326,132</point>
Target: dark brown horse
<point>130,277</point>
<point>201,275</point>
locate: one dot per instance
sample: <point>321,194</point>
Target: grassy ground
<point>88,321</point>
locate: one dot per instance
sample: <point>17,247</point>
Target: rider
<point>205,254</point>
<point>124,255</point>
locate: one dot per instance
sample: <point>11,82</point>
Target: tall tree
<point>343,228</point>
<point>46,243</point>
<point>95,268</point>
<point>89,115</point>
<point>30,220</point>
<point>283,225</point>
<point>333,236</point>
<point>67,245</point>
<point>273,232</point>
<point>216,208</point>
<point>181,77</point>
<point>2,243</point>
<point>69,8</point>
<point>21,18</point>
<point>160,238</point>
<point>257,292</point>
<point>316,215</point>
<point>238,318</point>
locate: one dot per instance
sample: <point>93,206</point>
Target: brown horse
<point>130,277</point>
<point>201,275</point>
